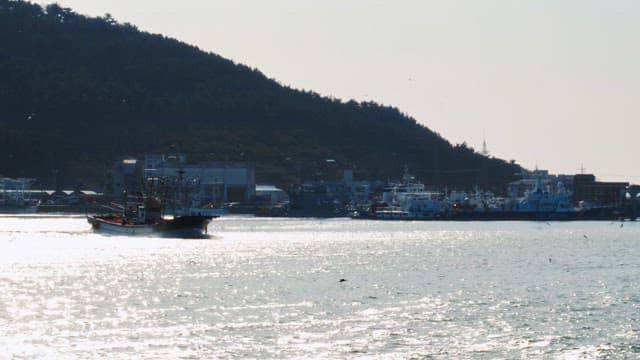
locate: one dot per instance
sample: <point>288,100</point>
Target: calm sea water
<point>271,288</point>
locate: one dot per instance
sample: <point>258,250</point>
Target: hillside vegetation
<point>77,93</point>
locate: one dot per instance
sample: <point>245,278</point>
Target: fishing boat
<point>146,219</point>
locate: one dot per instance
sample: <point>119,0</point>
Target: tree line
<point>80,92</point>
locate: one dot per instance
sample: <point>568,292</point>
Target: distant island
<point>78,93</point>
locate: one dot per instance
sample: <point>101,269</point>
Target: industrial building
<point>586,188</point>
<point>217,182</point>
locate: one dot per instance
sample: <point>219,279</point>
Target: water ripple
<point>292,288</point>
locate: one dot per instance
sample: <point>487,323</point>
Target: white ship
<point>409,200</point>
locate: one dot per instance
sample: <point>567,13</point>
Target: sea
<point>279,288</point>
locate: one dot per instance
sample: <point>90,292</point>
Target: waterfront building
<point>549,182</point>
<point>216,182</point>
<point>127,175</point>
<point>586,188</point>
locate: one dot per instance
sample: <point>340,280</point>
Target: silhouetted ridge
<point>79,92</point>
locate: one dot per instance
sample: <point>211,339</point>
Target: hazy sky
<point>552,83</point>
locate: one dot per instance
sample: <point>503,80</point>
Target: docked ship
<point>536,204</point>
<point>321,200</point>
<point>407,200</point>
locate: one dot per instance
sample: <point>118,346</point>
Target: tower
<point>485,152</point>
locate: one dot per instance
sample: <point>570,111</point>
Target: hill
<point>78,93</point>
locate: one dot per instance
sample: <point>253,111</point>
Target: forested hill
<point>77,93</point>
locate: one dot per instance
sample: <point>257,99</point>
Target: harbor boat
<point>318,199</point>
<point>538,204</point>
<point>407,200</point>
<point>190,226</point>
<point>14,198</point>
<point>147,220</point>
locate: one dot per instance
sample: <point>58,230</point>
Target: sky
<point>552,84</point>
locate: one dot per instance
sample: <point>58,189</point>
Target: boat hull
<point>181,227</point>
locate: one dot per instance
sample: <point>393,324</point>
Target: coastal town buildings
<point>586,188</point>
<point>218,182</point>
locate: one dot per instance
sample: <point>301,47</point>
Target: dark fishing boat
<point>146,219</point>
